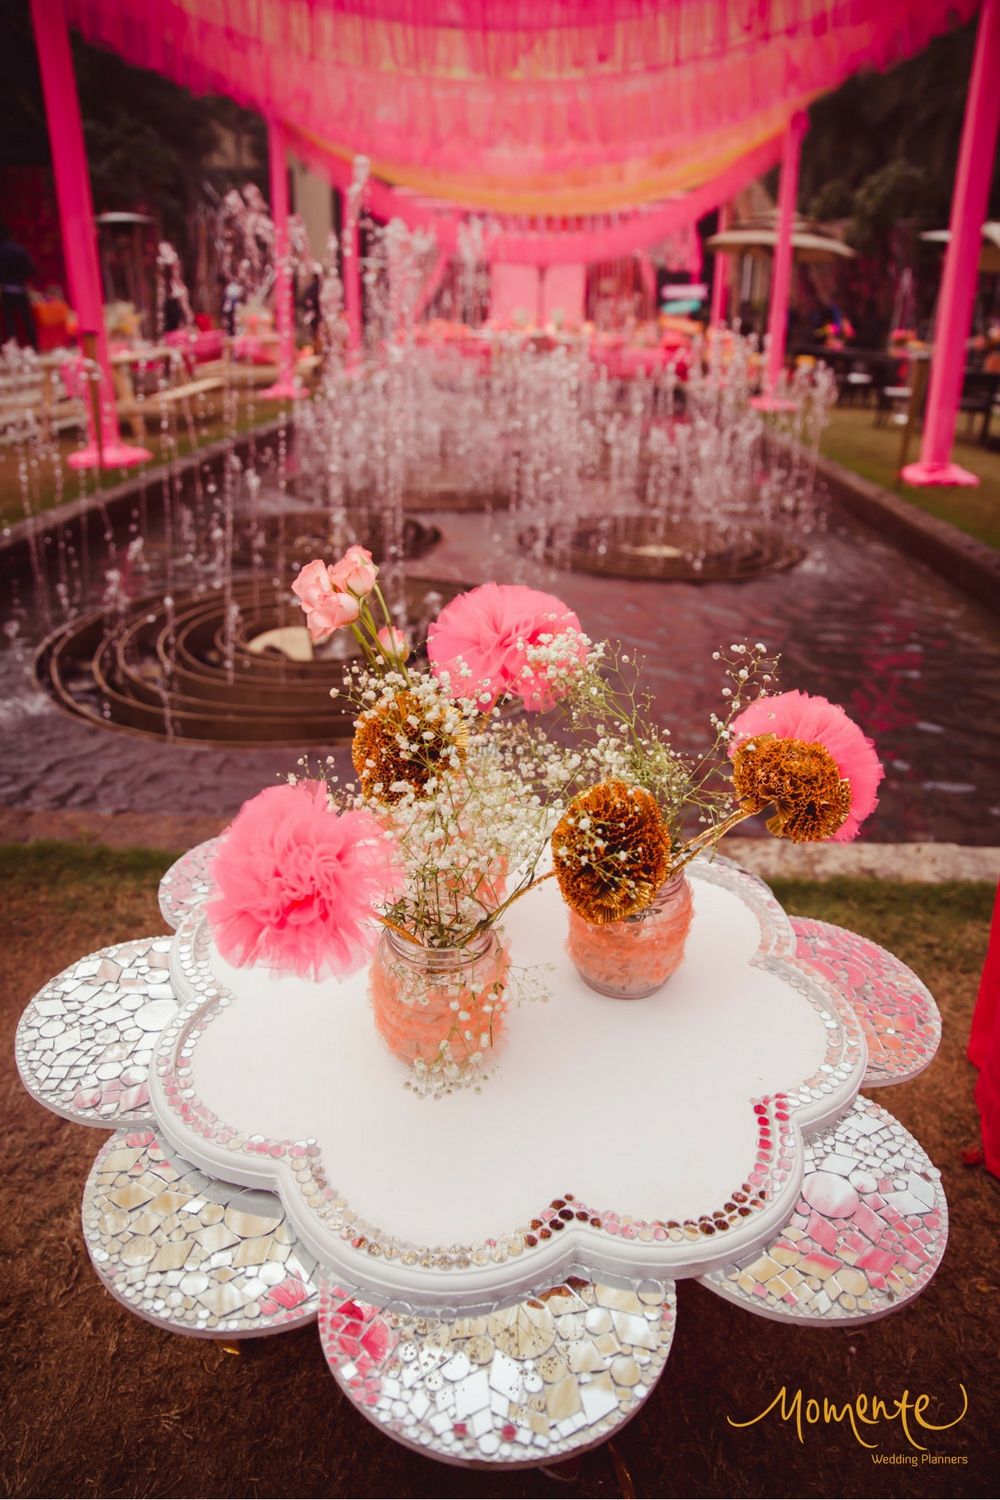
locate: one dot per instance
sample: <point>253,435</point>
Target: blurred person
<point>16,269</point>
<point>311,308</point>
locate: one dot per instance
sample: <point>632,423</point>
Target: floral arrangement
<point>466,798</point>
<point>466,794</point>
<point>619,841</point>
<point>836,332</point>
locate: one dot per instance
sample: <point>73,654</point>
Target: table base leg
<point>568,1472</point>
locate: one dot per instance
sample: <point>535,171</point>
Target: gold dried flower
<point>801,779</point>
<point>611,851</point>
<point>389,749</point>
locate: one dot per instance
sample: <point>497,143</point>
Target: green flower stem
<point>494,916</point>
<point>707,839</point>
<point>369,658</point>
<point>368,621</point>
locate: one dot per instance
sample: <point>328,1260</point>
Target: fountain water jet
<point>672,473</point>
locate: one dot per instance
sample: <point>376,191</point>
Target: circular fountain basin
<point>186,673</point>
<point>638,545</point>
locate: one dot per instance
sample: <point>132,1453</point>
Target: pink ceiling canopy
<point>523,107</point>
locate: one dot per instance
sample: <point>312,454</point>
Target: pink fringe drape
<point>523,240</point>
<point>548,106</point>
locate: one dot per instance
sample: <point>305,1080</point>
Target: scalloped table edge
<point>603,1255</point>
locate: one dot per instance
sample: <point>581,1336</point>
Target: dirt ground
<point>97,1402</point>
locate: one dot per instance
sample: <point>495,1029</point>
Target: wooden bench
<point>244,375</point>
<point>136,411</point>
<point>32,397</point>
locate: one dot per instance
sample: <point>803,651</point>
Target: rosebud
<point>394,642</point>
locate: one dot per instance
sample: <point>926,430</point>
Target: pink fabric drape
<point>984,1046</point>
<point>105,448</point>
<point>523,105</point>
<point>513,293</point>
<point>542,242</point>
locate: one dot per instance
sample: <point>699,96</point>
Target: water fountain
<point>674,478</point>
<point>176,619</point>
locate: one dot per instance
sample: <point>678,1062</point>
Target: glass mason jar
<point>439,1005</point>
<point>636,956</point>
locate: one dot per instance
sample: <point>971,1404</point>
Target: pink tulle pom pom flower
<point>814,720</point>
<point>482,640</point>
<point>297,883</point>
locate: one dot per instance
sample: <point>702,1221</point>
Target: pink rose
<point>313,586</point>
<point>355,572</point>
<point>336,610</point>
<point>394,642</point>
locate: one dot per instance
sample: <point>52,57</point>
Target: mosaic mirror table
<point>269,1168</point>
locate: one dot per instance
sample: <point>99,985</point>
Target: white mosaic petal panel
<point>84,1043</point>
<point>896,1011</point>
<point>867,1234</point>
<point>525,1385</point>
<point>190,1253</point>
<point>187,884</point>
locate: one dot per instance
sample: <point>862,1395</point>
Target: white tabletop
<point>630,1112</point>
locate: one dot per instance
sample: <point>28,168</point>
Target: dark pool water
<point>913,661</point>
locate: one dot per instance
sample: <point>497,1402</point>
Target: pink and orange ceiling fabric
<point>523,107</point>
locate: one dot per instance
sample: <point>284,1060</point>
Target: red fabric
<point>206,344</point>
<point>984,1046</point>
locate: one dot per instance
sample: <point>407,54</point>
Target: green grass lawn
<point>208,426</point>
<point>852,439</point>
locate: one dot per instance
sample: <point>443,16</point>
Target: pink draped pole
<point>286,387</point>
<point>720,276</point>
<point>781,270</point>
<point>648,273</point>
<point>961,263</point>
<point>352,269</point>
<point>76,213</point>
<point>430,287</point>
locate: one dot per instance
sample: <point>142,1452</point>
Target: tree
<point>898,191</point>
<point>148,141</point>
<point>881,152</point>
<point>911,114</point>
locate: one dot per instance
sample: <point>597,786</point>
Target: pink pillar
<point>76,214</point>
<point>352,268</point>
<point>961,262</point>
<point>430,287</point>
<point>720,276</point>
<point>781,270</point>
<point>286,387</point>
<point>647,271</point>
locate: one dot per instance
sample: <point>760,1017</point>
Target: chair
<point>861,377</point>
<point>979,394</point>
<point>892,394</point>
